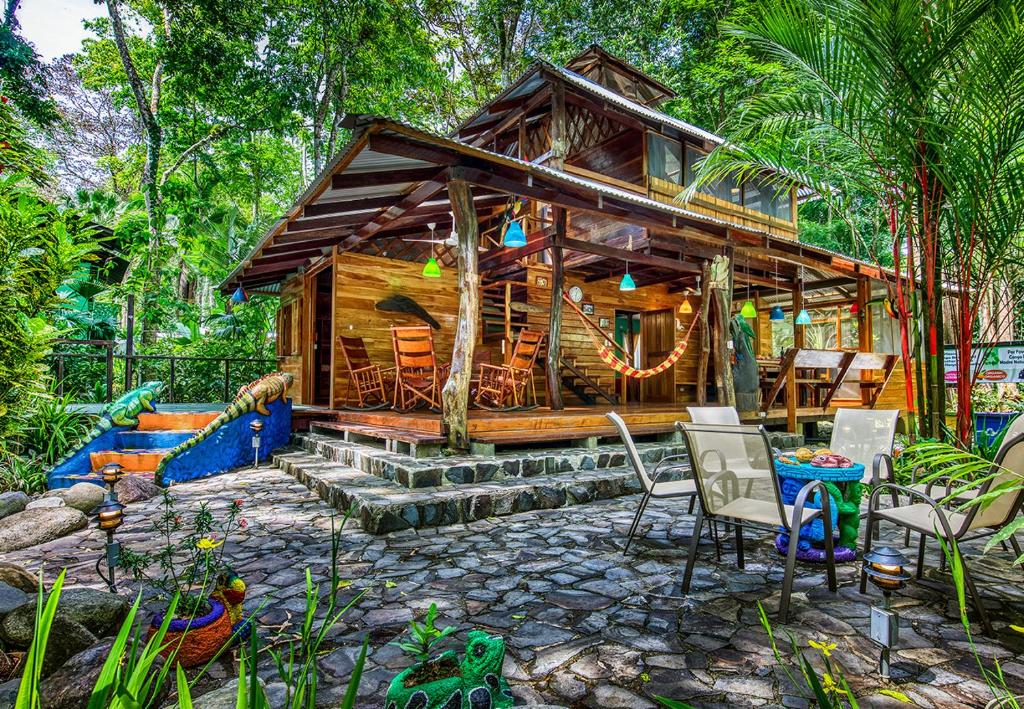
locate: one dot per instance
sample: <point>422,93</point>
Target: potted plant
<point>442,681</point>
<point>191,564</point>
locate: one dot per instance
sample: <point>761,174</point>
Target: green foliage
<point>22,75</point>
<point>192,555</point>
<point>50,431</point>
<point>424,638</point>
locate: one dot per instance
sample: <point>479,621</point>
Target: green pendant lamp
<point>748,310</point>
<point>432,269</point>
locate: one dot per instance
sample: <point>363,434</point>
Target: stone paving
<point>585,626</point>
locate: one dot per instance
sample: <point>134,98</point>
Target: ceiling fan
<point>452,240</point>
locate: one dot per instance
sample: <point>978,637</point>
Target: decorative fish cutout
<point>407,306</point>
<point>525,308</point>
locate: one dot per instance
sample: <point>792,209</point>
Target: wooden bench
<point>397,440</point>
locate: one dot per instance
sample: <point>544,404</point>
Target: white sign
<point>1001,363</point>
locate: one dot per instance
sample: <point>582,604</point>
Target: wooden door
<point>657,340</point>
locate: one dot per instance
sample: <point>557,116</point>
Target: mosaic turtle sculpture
<point>479,686</point>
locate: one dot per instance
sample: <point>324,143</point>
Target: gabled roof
<point>608,70</point>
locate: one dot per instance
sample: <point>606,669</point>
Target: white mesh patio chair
<point>866,436</point>
<point>725,416</point>
<point>759,506</point>
<point>929,518</point>
<point>651,483</point>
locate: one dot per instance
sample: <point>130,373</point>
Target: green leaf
<point>672,703</point>
<point>28,690</point>
<point>896,695</point>
<point>184,696</point>
<point>352,690</point>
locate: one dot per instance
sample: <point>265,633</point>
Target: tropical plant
<point>425,637</point>
<point>919,109</point>
<point>192,555</point>
<point>53,428</point>
<point>19,472</point>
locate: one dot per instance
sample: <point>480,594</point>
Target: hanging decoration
<point>804,318</point>
<point>514,236</point>
<point>854,309</point>
<point>748,310</point>
<point>776,314</point>
<point>627,283</point>
<point>239,296</point>
<point>432,269</point>
<point>686,308</point>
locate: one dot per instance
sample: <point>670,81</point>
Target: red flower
<point>243,523</point>
<point>4,99</point>
<point>238,502</point>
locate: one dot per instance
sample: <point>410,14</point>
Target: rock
<point>9,692</point>
<point>67,637</point>
<point>11,598</point>
<point>135,488</point>
<point>70,686</point>
<point>45,503</point>
<point>99,611</point>
<point>84,496</point>
<point>224,697</point>
<point>14,575</point>
<point>12,502</point>
<point>32,527</point>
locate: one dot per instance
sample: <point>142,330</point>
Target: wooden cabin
<point>582,160</point>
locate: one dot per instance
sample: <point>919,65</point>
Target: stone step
<point>384,506</point>
<point>444,471</point>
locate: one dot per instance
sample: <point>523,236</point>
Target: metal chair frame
<point>788,524</point>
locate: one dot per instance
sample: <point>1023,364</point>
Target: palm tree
<point>882,109</point>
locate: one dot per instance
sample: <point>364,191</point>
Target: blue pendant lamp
<point>776,314</point>
<point>804,318</point>
<point>514,236</point>
<point>627,283</point>
<point>239,296</point>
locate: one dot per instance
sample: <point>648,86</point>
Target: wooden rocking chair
<point>504,387</point>
<point>418,376</point>
<point>371,382</point>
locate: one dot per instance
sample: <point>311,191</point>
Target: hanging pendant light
<point>627,283</point>
<point>239,296</point>
<point>748,310</point>
<point>804,318</point>
<point>776,314</point>
<point>686,308</point>
<point>854,309</point>
<point>514,236</point>
<point>432,269</point>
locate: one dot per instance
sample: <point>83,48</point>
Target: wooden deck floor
<point>541,424</point>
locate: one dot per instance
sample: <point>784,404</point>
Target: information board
<point>995,364</point>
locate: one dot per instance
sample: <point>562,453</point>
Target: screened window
<point>664,158</point>
<point>726,189</point>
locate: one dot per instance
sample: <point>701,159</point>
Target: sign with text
<point>1000,363</point>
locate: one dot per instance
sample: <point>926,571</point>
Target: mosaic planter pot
<point>480,683</point>
<point>196,640</point>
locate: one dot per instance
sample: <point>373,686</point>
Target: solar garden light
<point>884,566</point>
<point>112,472</point>
<point>256,426</point>
<point>110,516</point>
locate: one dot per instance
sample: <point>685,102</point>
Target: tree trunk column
<point>455,395</point>
<point>721,298</point>
<point>553,369</point>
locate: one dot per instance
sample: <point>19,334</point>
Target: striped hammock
<point>604,349</point>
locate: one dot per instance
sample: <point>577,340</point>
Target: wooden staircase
<point>587,387</point>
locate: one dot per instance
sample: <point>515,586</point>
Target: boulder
<point>101,612</point>
<point>12,502</point>
<point>84,496</point>
<point>45,503</point>
<point>31,527</point>
<point>135,488</point>
<point>14,575</point>
<point>11,598</point>
<point>225,697</point>
<point>71,685</point>
<point>9,692</point>
<point>67,637</point>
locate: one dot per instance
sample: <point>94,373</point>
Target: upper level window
<point>664,158</point>
<point>725,189</point>
<point>767,199</point>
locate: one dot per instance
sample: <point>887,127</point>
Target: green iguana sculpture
<point>252,397</point>
<point>122,412</point>
<point>479,686</point>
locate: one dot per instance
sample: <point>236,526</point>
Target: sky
<point>54,27</point>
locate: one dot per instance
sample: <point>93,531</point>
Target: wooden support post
<point>798,305</point>
<point>559,137</point>
<point>554,359</point>
<point>721,297</point>
<point>455,394</point>
<point>129,343</point>
<point>705,335</point>
<point>865,341</point>
<point>791,394</point>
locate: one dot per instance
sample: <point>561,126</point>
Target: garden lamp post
<point>110,516</point>
<point>256,426</point>
<point>112,472</point>
<point>885,567</point>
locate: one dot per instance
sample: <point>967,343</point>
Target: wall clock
<point>576,294</point>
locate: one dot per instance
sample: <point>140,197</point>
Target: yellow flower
<point>824,648</point>
<point>830,686</point>
<point>207,543</point>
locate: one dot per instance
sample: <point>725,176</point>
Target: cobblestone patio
<point>585,626</point>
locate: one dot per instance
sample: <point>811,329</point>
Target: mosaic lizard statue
<point>122,412</point>
<point>480,685</point>
<point>252,397</point>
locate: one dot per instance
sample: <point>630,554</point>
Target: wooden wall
<point>291,360</point>
<point>607,298</point>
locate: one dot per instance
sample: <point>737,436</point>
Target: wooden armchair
<point>372,384</point>
<point>505,386</point>
<point>418,376</point>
